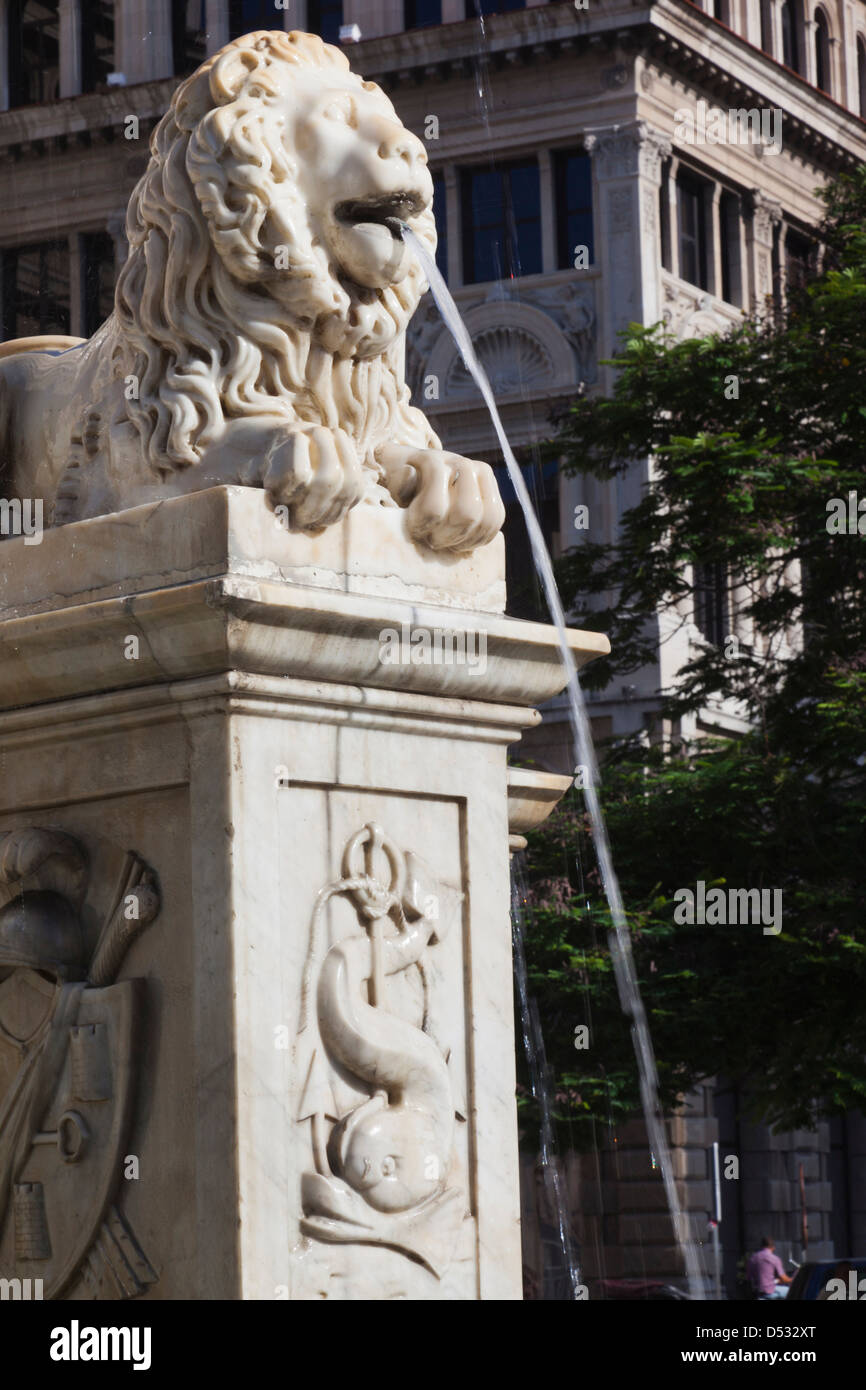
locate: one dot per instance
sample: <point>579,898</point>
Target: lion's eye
<point>343,109</point>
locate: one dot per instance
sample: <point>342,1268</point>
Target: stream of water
<point>618,938</point>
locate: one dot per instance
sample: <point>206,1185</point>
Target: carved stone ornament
<point>67,1064</point>
<point>623,151</point>
<point>258,331</point>
<point>766,214</point>
<point>378,1100</point>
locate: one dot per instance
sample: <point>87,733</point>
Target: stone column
<point>217,20</point>
<point>765,215</point>
<point>453,216</point>
<point>70,48</point>
<point>674,215</point>
<point>778,47</point>
<point>142,39</point>
<point>714,249</point>
<point>549,251</point>
<point>627,169</point>
<point>809,66</point>
<point>751,22</point>
<point>309,1051</point>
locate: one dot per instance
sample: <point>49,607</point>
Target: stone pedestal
<point>279,1058</point>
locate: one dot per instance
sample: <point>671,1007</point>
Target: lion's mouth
<point>368,237</point>
<point>389,210</point>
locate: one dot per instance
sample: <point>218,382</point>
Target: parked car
<point>811,1278</point>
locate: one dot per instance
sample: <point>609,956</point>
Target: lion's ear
<point>231,71</point>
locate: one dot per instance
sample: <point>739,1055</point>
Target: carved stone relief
<point>67,1064</point>
<point>379,1102</point>
<point>519,349</point>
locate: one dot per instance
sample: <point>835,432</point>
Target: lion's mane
<point>194,321</point>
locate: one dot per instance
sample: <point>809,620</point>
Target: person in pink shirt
<point>765,1269</point>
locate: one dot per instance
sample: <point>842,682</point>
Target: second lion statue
<point>258,332</point>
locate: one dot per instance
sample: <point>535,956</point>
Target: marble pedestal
<point>210,772</point>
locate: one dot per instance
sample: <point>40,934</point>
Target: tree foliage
<point>740,477</point>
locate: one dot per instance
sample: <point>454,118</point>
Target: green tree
<point>751,436</point>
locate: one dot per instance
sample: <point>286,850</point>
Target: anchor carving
<point>382,1175</point>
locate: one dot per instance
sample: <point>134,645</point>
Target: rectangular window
<point>188,29</point>
<point>34,52</point>
<point>420,14</point>
<point>729,233</point>
<point>711,601</point>
<point>325,17</point>
<point>98,280</point>
<point>691,201</point>
<point>501,212</point>
<point>573,184</point>
<point>36,289</point>
<point>440,212</point>
<point>97,50</point>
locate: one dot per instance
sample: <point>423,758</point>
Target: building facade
<point>595,164</point>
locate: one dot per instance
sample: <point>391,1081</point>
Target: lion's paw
<point>453,503</point>
<point>316,473</point>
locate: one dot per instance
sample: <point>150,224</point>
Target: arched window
<point>790,35</point>
<point>822,51</point>
<point>861,76</point>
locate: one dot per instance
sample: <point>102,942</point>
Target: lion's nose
<point>395,142</point>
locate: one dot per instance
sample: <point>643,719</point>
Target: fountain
<point>267,1053</point>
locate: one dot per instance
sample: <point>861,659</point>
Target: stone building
<point>595,164</point>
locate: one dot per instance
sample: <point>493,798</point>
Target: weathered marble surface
<point>313,818</point>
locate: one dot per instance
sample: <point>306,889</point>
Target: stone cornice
<point>674,34</point>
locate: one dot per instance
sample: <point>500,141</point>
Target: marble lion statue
<point>258,333</point>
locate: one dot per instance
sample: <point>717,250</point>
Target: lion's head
<point>266,273</point>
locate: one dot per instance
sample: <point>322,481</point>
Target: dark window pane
<point>441,214</point>
<point>474,8</point>
<point>418,14</point>
<point>693,255</point>
<point>36,289</point>
<point>525,598</point>
<point>790,44</point>
<point>97,48</point>
<point>34,52</point>
<point>248,15</point>
<point>501,222</point>
<point>98,280</point>
<point>861,75</point>
<point>188,28</point>
<point>766,26</point>
<point>573,181</point>
<point>822,52</point>
<point>711,601</point>
<point>798,260</point>
<point>729,232</point>
<point>324,17</point>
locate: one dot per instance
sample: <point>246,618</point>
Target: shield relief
<point>67,1039</point>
